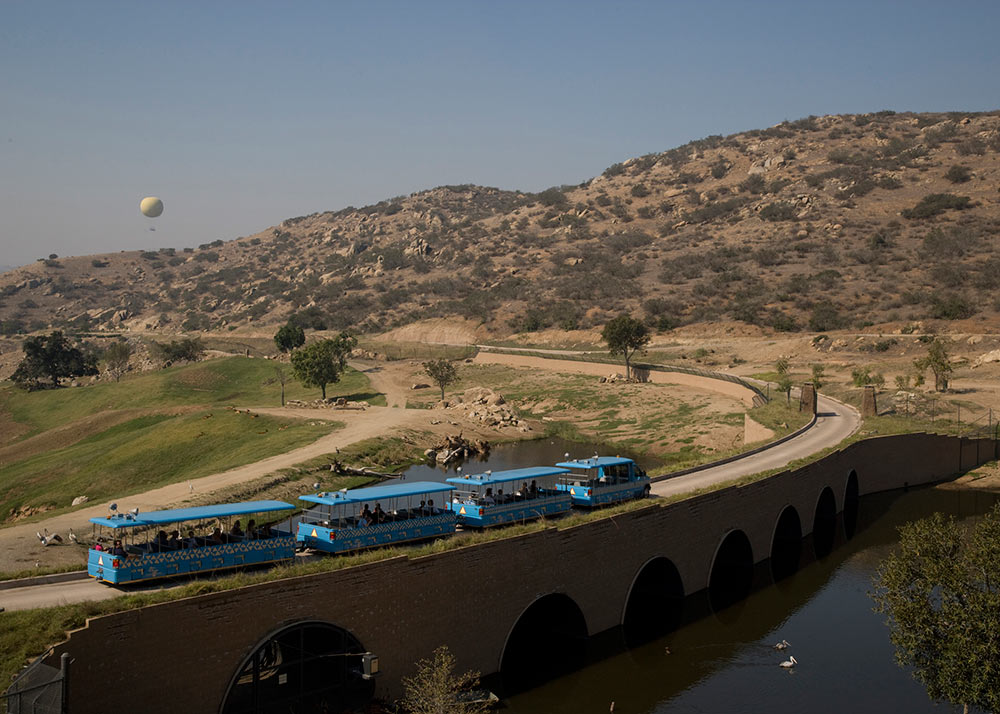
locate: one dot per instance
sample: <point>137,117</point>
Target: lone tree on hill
<point>53,357</point>
<point>941,596</point>
<point>784,380</point>
<point>938,362</point>
<point>436,688</point>
<point>289,336</point>
<point>625,335</point>
<point>442,372</point>
<point>116,359</point>
<point>322,363</point>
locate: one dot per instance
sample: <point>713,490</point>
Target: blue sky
<point>241,114</point>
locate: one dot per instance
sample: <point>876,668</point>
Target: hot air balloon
<point>151,206</point>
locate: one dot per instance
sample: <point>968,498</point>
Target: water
<point>517,455</point>
<point>726,662</point>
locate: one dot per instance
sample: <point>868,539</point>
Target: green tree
<point>289,336</point>
<point>436,688</point>
<point>938,362</point>
<point>625,335</point>
<point>321,363</point>
<point>53,357</point>
<point>818,374</point>
<point>116,359</point>
<point>442,372</point>
<point>941,596</point>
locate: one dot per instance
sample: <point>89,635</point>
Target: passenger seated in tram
<point>190,541</point>
<point>431,511</point>
<point>216,537</point>
<point>117,550</point>
<point>488,499</point>
<point>365,519</point>
<point>378,514</point>
<point>500,497</point>
<point>533,489</point>
<point>266,532</point>
<point>236,532</point>
<point>174,541</point>
<point>522,492</point>
<point>160,544</point>
<point>251,529</point>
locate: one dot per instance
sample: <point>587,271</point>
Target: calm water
<point>725,662</point>
<point>517,455</point>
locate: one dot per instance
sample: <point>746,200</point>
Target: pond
<point>726,662</point>
<point>519,454</point>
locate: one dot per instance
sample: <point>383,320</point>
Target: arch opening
<point>732,571</point>
<point>547,641</point>
<point>307,667</point>
<point>852,502</point>
<point>655,602</point>
<point>786,546</point>
<point>825,523</point>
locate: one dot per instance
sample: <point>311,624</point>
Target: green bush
<point>937,203</point>
<point>958,174</point>
<point>778,211</point>
<point>639,190</point>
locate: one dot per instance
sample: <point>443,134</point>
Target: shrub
<point>825,316</point>
<point>935,204</point>
<point>973,145</point>
<point>958,174</point>
<point>99,263</point>
<point>720,168</point>
<point>754,183</point>
<point>778,211</point>
<point>553,197</point>
<point>639,190</point>
<point>951,306</point>
<point>187,349</point>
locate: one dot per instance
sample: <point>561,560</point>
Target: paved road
<point>52,594</point>
<point>835,422</point>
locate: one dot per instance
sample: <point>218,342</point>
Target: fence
<point>38,689</point>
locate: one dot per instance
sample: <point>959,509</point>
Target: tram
<point>494,498</point>
<point>603,480</point>
<point>136,555</point>
<point>353,519</point>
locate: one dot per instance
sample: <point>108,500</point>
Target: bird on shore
<point>47,540</point>
<point>789,663</point>
<point>783,645</point>
<point>72,536</point>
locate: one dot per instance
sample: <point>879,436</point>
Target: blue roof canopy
<point>594,461</point>
<point>197,513</point>
<point>377,493</point>
<point>527,474</point>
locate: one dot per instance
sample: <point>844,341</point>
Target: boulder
<point>79,500</point>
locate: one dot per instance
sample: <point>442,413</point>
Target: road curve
<point>835,422</point>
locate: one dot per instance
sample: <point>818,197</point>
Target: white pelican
<point>783,645</point>
<point>789,663</point>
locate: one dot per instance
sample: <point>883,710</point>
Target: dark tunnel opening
<point>851,504</point>
<point>548,640</point>
<point>732,572</point>
<point>825,523</point>
<point>655,603</point>
<point>786,548</point>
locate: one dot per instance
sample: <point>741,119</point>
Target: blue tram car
<point>494,498</point>
<point>136,555</point>
<point>353,519</point>
<point>603,480</point>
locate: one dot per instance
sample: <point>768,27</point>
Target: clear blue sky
<point>241,114</point>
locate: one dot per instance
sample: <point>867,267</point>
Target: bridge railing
<point>38,689</point>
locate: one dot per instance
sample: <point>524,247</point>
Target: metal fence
<point>38,689</point>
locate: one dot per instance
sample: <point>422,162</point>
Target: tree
<point>442,372</point>
<point>818,372</point>
<point>289,336</point>
<point>941,596</point>
<point>938,362</point>
<point>189,349</point>
<point>116,359</point>
<point>437,689</point>
<point>281,377</point>
<point>53,357</point>
<point>321,363</point>
<point>784,380</point>
<point>623,336</point>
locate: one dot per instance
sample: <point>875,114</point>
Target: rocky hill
<point>821,223</point>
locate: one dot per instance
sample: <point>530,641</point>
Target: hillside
<point>821,223</point>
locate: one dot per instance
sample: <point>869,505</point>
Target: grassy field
<point>148,452</point>
<point>165,426</point>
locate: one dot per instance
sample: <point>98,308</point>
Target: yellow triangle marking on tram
<point>461,511</point>
<point>314,534</point>
<point>572,492</point>
<point>100,560</point>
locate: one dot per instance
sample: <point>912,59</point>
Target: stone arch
<point>309,665</point>
<point>731,576</point>
<point>786,544</point>
<point>655,601</point>
<point>545,642</point>
<point>852,502</point>
<point>825,522</point>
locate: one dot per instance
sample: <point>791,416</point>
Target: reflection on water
<point>517,455</point>
<point>725,662</point>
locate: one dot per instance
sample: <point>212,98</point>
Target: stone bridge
<point>507,605</point>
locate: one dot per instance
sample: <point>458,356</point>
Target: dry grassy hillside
<point>822,223</point>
